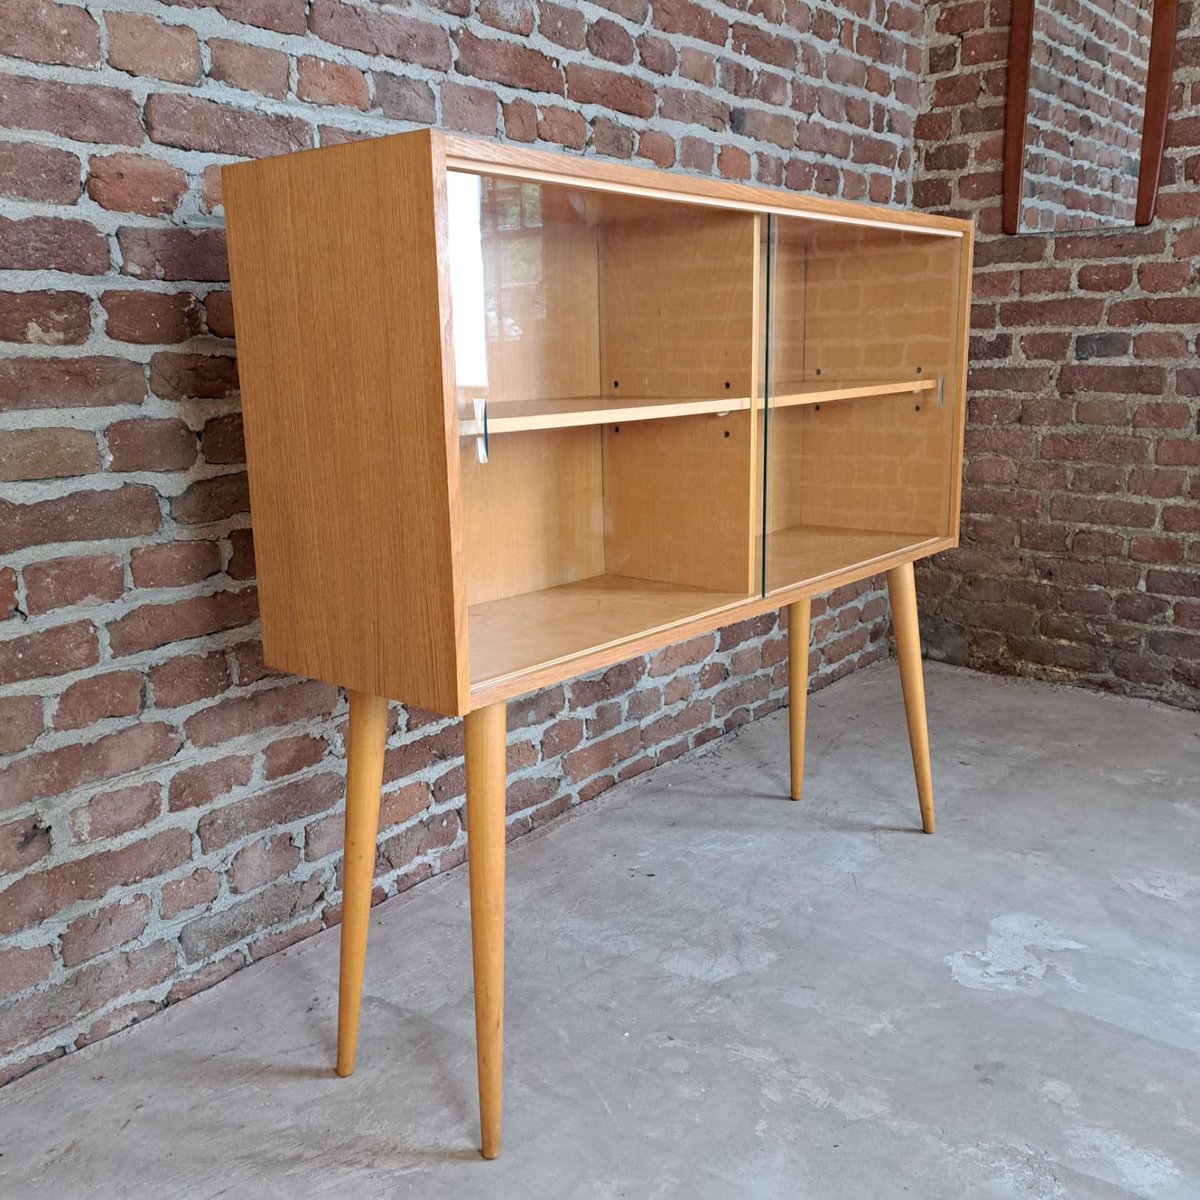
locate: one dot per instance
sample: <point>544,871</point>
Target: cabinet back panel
<point>678,504</point>
<point>532,514</point>
<point>677,297</point>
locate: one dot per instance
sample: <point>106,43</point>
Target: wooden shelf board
<point>819,391</point>
<point>521,634</point>
<point>517,416</point>
<point>806,553</point>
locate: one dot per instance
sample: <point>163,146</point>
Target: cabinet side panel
<point>341,323</point>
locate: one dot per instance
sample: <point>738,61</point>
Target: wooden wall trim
<point>1158,96</point>
<point>1016,107</point>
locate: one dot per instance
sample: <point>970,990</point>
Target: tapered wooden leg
<point>799,628</point>
<point>486,777</point>
<point>902,590</point>
<point>364,778</point>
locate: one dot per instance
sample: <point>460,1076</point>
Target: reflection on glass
<point>607,375</point>
<point>862,405</point>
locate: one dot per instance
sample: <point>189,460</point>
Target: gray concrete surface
<point>716,993</point>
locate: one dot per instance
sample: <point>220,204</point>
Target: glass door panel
<point>609,403</point>
<point>862,394</point>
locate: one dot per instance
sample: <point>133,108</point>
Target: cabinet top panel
<point>494,158</point>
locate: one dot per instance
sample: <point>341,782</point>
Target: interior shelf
<point>516,416</point>
<point>805,553</point>
<point>539,628</point>
<point>820,391</point>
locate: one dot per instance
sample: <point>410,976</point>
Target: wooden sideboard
<point>513,416</point>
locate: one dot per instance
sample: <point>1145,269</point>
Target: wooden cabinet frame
<point>373,577</point>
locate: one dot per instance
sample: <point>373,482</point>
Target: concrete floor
<point>714,993</point>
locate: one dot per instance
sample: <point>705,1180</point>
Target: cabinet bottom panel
<point>803,554</point>
<point>537,629</point>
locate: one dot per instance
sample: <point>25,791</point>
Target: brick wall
<point>1081,509</point>
<point>169,810</point>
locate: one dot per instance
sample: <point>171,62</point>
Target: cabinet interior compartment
<point>861,395</point>
<point>609,439</point>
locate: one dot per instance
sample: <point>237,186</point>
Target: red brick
<point>53,772</point>
<point>146,444</point>
<point>289,755</point>
<point>83,112</point>
<point>133,183</point>
<point>32,172</point>
<point>204,978</point>
<point>210,187</point>
<point>1162,310</point>
<point>322,82</point>
<point>659,148</point>
<point>53,651</point>
<point>470,109</point>
<point>151,318</point>
<point>511,16</point>
<point>562,126</point>
<point>598,756</point>
<point>520,121</point>
<point>1137,380</point>
<point>45,318</point>
<point>20,722</point>
<point>609,41</point>
<point>766,47</point>
<point>261,862</point>
<point>283,16</point>
<point>562,24</point>
<point>174,254</point>
<point>154,625</point>
<point>84,991</point>
<point>40,31</point>
<point>435,833</point>
<point>241,559</point>
<point>241,715</point>
<point>194,124</point>
<point>22,843</point>
<point>174,564</point>
<point>189,678</point>
<point>218,313</point>
<point>143,45</point>
<point>391,34</point>
<point>693,107</point>
<point>200,887</point>
<point>176,376</point>
<point>105,929</point>
<point>21,969</point>
<point>8,592</point>
<point>611,89</point>
<point>405,99</point>
<point>281,805</point>
<point>507,63</point>
<point>47,453</point>
<point>113,694</point>
<point>27,383</point>
<point>197,787</point>
<point>112,813</point>
<point>213,499</point>
<point>48,244</point>
<point>691,19</point>
<point>222,440</point>
<point>656,54</point>
<point>250,68</point>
